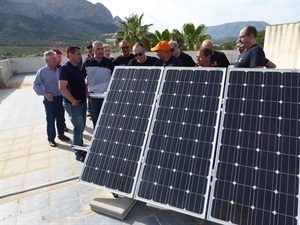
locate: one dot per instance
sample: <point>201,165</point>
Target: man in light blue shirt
<point>46,84</point>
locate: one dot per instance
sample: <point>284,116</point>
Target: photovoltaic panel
<point>258,158</point>
<point>175,173</point>
<point>122,126</point>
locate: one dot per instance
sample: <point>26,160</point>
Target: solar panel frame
<point>116,71</point>
<point>218,111</point>
<point>218,153</point>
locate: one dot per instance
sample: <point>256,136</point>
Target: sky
<point>172,14</point>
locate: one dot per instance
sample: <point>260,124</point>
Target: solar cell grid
<point>118,139</point>
<point>257,174</point>
<point>176,170</point>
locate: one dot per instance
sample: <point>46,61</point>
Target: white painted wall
<point>5,72</point>
<point>282,45</point>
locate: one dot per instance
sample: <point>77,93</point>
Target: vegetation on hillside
<point>33,37</point>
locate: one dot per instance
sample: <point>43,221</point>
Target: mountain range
<point>30,22</point>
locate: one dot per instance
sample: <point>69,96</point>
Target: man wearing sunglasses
<point>186,59</point>
<point>141,59</point>
<point>125,57</point>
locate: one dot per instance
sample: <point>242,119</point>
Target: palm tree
<point>133,30</point>
<point>191,37</point>
<point>157,36</point>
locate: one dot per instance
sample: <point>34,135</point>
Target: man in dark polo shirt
<point>218,58</point>
<point>163,52</point>
<point>97,69</point>
<point>141,59</point>
<point>73,88</point>
<point>186,59</point>
<point>125,57</point>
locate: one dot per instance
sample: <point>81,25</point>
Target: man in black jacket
<point>219,59</point>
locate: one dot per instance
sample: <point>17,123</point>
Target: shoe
<point>80,156</point>
<point>115,195</point>
<point>52,143</point>
<point>63,138</point>
<point>66,129</point>
<point>83,154</point>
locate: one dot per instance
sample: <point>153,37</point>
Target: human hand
<point>49,97</point>
<point>75,103</point>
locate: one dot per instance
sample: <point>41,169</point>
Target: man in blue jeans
<point>97,69</point>
<point>73,88</point>
<point>46,84</point>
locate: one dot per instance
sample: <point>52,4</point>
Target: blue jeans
<point>95,104</point>
<point>77,116</point>
<point>54,113</point>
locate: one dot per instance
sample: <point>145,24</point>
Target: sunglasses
<point>138,54</point>
<point>125,47</point>
<point>172,49</point>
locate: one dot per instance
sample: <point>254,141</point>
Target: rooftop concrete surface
<point>39,184</point>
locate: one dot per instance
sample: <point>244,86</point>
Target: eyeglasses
<point>138,54</point>
<point>125,47</point>
<point>242,36</point>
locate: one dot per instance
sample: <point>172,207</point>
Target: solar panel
<point>257,163</point>
<point>120,135</point>
<point>175,173</point>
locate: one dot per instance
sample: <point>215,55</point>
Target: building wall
<point>5,72</point>
<point>282,45</point>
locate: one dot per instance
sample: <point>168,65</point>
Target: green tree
<point>190,36</point>
<point>260,39</point>
<point>157,37</point>
<point>133,30</point>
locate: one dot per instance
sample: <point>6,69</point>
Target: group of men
<point>68,86</point>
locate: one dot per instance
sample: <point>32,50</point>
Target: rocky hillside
<point>53,19</point>
<point>36,22</point>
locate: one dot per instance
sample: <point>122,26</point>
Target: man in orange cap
<point>163,52</point>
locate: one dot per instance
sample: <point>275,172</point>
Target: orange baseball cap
<point>161,46</point>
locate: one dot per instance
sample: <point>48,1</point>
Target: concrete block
<point>115,207</point>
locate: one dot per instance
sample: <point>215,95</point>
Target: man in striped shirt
<point>46,84</point>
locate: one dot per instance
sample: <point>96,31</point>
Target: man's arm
<point>270,65</point>
<point>63,87</point>
<point>37,87</point>
<point>37,84</point>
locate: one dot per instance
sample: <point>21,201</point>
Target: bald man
<point>218,58</point>
<point>253,56</point>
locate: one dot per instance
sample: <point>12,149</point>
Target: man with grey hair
<point>46,84</point>
<point>97,69</point>
<point>219,59</point>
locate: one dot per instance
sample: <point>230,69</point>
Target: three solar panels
<point>214,145</point>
